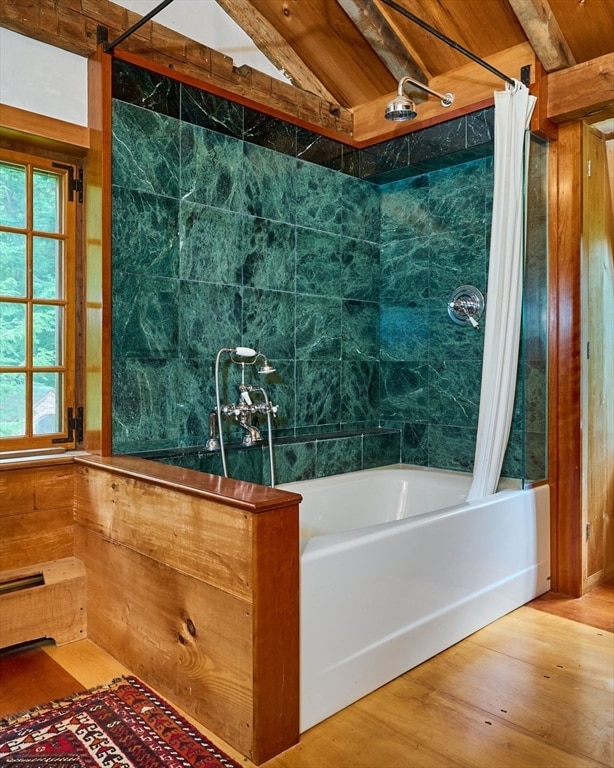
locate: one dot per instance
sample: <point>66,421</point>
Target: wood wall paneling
<point>36,523</point>
<point>198,598</point>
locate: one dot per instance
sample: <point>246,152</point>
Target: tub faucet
<point>253,433</point>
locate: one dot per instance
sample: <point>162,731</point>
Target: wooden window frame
<point>35,158</point>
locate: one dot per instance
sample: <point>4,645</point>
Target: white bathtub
<point>396,567</point>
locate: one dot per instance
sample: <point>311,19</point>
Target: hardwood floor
<point>532,690</point>
<point>596,608</point>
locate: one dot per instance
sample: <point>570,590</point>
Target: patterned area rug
<point>120,725</point>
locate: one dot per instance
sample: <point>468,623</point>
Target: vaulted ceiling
<point>353,51</point>
<point>344,57</point>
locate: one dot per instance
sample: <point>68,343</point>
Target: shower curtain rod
<point>448,41</point>
<point>109,46</point>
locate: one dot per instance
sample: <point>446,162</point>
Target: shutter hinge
<point>75,428</point>
<point>75,183</point>
<point>588,531</point>
<point>589,170</point>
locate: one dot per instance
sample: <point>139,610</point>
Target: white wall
<point>42,78</point>
<point>49,81</point>
<point>207,23</point>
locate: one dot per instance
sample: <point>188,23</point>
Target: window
<point>37,302</point>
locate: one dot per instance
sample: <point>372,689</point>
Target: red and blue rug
<point>120,725</point>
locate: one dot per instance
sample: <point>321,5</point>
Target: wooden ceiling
<point>344,58</point>
<point>355,51</point>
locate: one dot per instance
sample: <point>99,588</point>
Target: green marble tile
<point>404,331</point>
<point>337,456</point>
<point>318,394</point>
<point>211,244</point>
<point>145,150</point>
<point>270,184</point>
<point>359,391</point>
<point>209,318</point>
<point>145,233</point>
<point>296,461</point>
<point>360,325</point>
<point>451,447</point>
<point>361,209</point>
<point>245,464</point>
<point>457,196</point>
<point>458,259</point>
<point>145,316</point>
<point>318,262</point>
<point>379,450</point>
<point>318,328</point>
<point>268,322</point>
<point>144,416</point>
<point>360,269</point>
<point>404,391</point>
<point>269,249</point>
<point>212,168</point>
<point>449,341</point>
<point>454,392</point>
<point>405,210</point>
<point>415,443</point>
<point>405,269</point>
<point>195,399</point>
<point>318,197</point>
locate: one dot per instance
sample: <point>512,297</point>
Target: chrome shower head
<point>400,108</point>
<point>266,367</point>
<point>403,108</point>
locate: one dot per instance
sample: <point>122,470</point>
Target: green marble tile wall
<point>233,228</point>
<point>435,238</point>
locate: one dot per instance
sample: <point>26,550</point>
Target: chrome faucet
<point>242,411</point>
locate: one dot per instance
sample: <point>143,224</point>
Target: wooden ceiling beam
<point>381,36</point>
<point>544,33</point>
<point>581,91</point>
<point>272,45</point>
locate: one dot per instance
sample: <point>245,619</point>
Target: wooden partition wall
<point>193,584</point>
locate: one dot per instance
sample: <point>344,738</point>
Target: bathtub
<point>396,566</point>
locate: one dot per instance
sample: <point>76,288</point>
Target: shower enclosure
<point>343,277</point>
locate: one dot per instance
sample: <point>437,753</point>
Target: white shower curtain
<point>513,109</point>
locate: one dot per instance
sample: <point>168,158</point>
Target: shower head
<point>400,109</point>
<point>266,367</point>
<point>403,108</point>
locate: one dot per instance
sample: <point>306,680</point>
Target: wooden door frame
<point>564,403</point>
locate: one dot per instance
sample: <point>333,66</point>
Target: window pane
<point>12,404</point>
<point>47,280</point>
<point>12,264</point>
<point>46,335</point>
<point>12,195</point>
<point>47,405</point>
<point>13,336</point>
<point>46,201</point>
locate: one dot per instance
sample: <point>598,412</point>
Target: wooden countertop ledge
<point>223,490</point>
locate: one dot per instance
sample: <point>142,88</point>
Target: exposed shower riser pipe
<point>448,41</point>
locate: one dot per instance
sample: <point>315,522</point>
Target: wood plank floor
<point>532,690</point>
